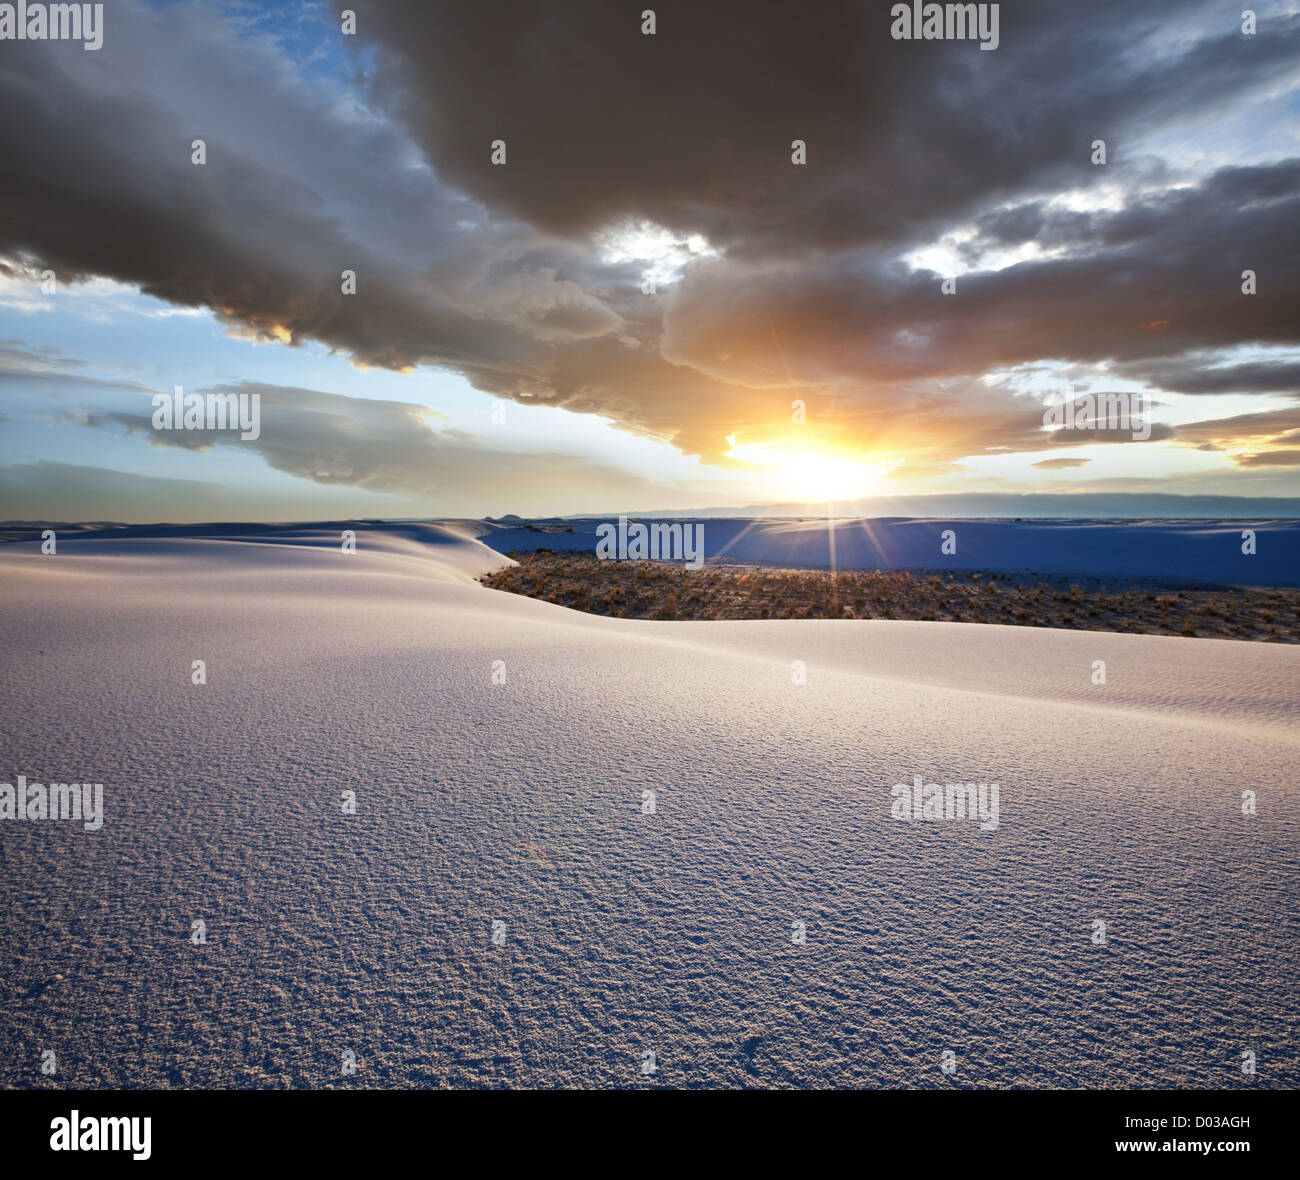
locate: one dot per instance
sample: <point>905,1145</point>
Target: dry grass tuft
<point>660,590</point>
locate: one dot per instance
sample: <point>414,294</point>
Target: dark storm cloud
<point>1148,286</point>
<point>487,271</point>
<point>692,127</point>
<point>1194,376</point>
<point>101,182</point>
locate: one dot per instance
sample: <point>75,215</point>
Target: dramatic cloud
<point>1278,429</point>
<point>691,128</point>
<point>817,283</point>
<point>1146,286</point>
<point>401,456</point>
<point>379,446</point>
<point>1192,376</point>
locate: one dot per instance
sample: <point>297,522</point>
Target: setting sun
<point>808,473</point>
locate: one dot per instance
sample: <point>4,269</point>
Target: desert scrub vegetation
<point>664,590</point>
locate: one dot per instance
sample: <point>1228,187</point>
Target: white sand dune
<point>625,932</point>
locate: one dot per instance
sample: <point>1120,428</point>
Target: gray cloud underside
<point>490,271</point>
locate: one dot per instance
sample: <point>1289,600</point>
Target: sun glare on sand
<point>813,474</point>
